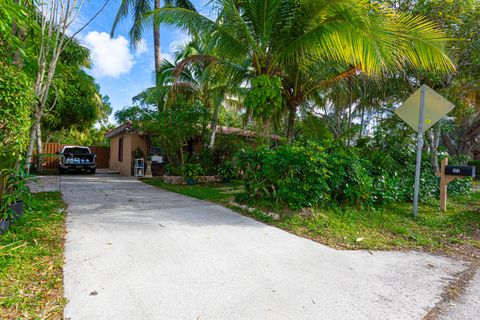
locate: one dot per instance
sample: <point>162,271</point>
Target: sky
<point>121,72</point>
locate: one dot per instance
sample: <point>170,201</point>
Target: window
<point>155,150</point>
<point>120,149</point>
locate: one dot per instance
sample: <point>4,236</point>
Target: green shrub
<point>300,176</point>
<point>16,101</point>
<point>312,174</point>
<point>227,170</point>
<point>191,171</point>
<point>350,182</point>
<point>392,157</point>
<point>172,170</point>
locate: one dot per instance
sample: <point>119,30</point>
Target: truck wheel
<point>92,171</point>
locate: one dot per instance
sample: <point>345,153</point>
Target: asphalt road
<point>134,251</point>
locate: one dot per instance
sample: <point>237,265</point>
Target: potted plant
<point>7,213</point>
<point>13,189</point>
<point>191,172</point>
<point>4,222</point>
<point>227,171</point>
<point>19,192</point>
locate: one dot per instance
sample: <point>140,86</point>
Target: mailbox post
<point>447,175</point>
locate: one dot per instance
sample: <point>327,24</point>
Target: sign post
<point>421,111</point>
<point>421,120</point>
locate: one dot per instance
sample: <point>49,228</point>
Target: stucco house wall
<point>131,140</point>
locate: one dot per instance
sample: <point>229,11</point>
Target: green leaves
<point>16,100</point>
<point>290,39</point>
<point>191,171</point>
<point>264,97</point>
<point>172,128</point>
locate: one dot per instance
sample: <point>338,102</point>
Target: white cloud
<point>111,57</point>
<point>142,47</point>
<point>180,38</point>
<point>169,57</point>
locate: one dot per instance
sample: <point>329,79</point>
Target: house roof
<point>124,128</point>
<point>127,127</point>
<point>241,132</point>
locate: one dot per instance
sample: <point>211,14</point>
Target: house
<point>126,139</point>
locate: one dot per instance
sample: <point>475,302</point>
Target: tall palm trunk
<point>292,113</point>
<point>156,43</point>
<point>157,51</point>
<point>213,126</point>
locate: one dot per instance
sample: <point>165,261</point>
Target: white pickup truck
<point>77,158</point>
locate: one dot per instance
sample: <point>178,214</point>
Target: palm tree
<point>138,9</point>
<point>285,38</point>
<point>205,82</point>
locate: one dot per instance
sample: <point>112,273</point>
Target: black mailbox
<point>465,171</point>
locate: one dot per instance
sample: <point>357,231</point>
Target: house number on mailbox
<point>447,175</point>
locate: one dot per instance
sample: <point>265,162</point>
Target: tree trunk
<point>448,142</point>
<point>349,125</point>
<point>182,160</point>
<point>362,122</point>
<point>39,148</point>
<point>292,113</point>
<point>265,136</point>
<point>156,43</point>
<point>39,140</point>
<point>31,143</point>
<point>157,51</point>
<point>433,140</point>
<point>213,127</point>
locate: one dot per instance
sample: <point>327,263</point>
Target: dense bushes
<point>16,100</point>
<point>293,175</point>
<point>304,175</point>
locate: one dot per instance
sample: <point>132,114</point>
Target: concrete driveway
<point>134,251</point>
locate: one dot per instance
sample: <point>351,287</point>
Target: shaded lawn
<point>221,193</point>
<point>390,227</point>
<point>393,227</point>
<point>31,261</point>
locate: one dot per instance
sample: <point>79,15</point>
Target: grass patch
<point>221,193</point>
<point>31,261</point>
<point>390,227</point>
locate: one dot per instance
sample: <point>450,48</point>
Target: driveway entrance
<point>134,251</point>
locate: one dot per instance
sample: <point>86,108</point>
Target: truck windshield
<point>76,151</point>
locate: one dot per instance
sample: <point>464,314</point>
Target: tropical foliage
<point>316,70</point>
<point>44,88</point>
<point>16,99</point>
<point>297,74</point>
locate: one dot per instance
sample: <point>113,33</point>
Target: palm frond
<point>122,13</point>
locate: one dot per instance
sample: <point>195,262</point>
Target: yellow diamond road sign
<point>436,107</point>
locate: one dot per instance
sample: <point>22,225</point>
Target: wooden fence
<point>51,162</point>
